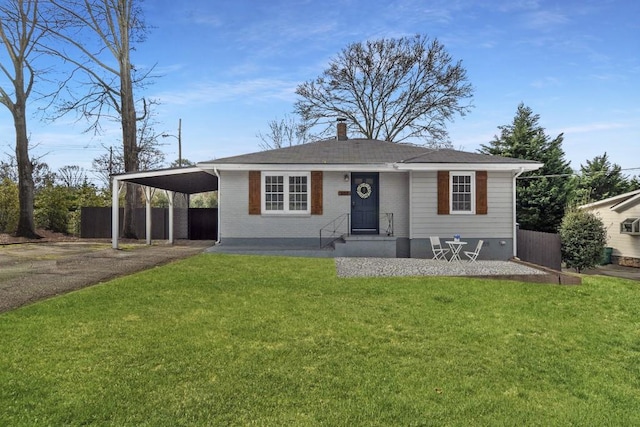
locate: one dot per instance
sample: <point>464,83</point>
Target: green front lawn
<point>238,340</point>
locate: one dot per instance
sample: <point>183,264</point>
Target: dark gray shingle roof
<point>361,151</point>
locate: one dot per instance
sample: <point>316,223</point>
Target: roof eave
<point>630,202</point>
<point>613,199</point>
<point>157,172</point>
<point>373,167</point>
<point>524,167</point>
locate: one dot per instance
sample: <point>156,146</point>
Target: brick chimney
<point>342,130</point>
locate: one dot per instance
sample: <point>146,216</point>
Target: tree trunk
<point>129,133</point>
<point>26,226</point>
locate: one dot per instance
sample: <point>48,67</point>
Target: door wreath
<point>363,190</point>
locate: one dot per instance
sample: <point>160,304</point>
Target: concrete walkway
<point>614,270</point>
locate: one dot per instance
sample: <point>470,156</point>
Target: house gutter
<point>215,172</point>
<point>515,225</point>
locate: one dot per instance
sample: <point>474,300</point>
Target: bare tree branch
<point>391,89</point>
<point>20,31</point>
<point>97,38</point>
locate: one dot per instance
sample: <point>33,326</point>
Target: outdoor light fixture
<point>346,177</point>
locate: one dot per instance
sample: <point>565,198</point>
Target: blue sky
<point>230,67</point>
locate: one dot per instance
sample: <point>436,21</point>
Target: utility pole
<point>179,143</point>
<point>179,138</point>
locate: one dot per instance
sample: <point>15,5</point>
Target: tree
<point>150,156</point>
<point>205,200</point>
<point>390,89</point>
<point>9,169</point>
<point>101,34</point>
<point>285,133</point>
<point>71,176</point>
<point>83,196</point>
<point>52,207</point>
<point>9,205</point>
<point>583,238</point>
<point>20,33</point>
<point>181,163</point>
<point>542,195</point>
<point>599,179</point>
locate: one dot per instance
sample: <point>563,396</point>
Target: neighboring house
<point>376,198</point>
<point>621,217</point>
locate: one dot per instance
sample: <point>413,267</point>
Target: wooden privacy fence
<point>199,223</point>
<point>540,248</point>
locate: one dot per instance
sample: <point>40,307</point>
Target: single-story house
<point>621,217</point>
<point>364,197</point>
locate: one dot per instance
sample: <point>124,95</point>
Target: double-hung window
<point>286,192</point>
<point>463,190</point>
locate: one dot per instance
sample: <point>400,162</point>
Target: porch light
<point>346,177</point>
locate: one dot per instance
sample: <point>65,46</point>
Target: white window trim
<point>285,176</point>
<point>472,174</point>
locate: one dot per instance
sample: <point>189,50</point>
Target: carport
<point>191,180</point>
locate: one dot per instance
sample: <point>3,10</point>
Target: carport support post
<point>115,211</point>
<point>170,196</point>
<point>148,193</point>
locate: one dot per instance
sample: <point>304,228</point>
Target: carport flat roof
<point>189,180</point>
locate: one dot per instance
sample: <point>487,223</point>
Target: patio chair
<point>473,255</point>
<point>438,251</point>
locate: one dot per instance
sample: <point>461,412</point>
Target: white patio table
<point>455,246</point>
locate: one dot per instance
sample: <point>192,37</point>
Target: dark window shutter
<point>443,193</point>
<point>481,193</point>
<point>255,188</point>
<point>316,193</point>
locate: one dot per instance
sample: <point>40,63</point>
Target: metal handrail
<point>389,217</point>
<point>334,228</point>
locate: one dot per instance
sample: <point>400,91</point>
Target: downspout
<point>215,172</point>
<point>515,227</point>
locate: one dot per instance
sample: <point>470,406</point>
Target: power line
<point>560,175</point>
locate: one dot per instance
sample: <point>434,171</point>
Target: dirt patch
<point>31,271</point>
<point>47,236</point>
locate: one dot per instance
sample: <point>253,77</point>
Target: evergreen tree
<point>542,195</point>
<point>599,179</point>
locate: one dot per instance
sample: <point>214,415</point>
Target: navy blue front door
<point>364,203</point>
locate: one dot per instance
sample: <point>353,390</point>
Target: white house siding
<point>394,198</point>
<point>623,245</point>
<point>236,224</point>
<point>495,228</point>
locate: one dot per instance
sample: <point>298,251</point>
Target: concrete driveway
<point>615,270</point>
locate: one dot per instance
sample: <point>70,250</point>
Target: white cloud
<point>210,93</point>
<point>594,127</point>
<point>544,20</point>
<point>546,82</point>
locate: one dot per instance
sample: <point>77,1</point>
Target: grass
<point>242,340</point>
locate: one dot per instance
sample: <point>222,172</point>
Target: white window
<point>286,192</point>
<point>463,192</point>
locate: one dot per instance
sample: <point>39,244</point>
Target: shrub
<point>52,206</point>
<point>9,206</point>
<point>583,238</point>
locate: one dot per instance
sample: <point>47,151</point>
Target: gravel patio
<point>386,267</point>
